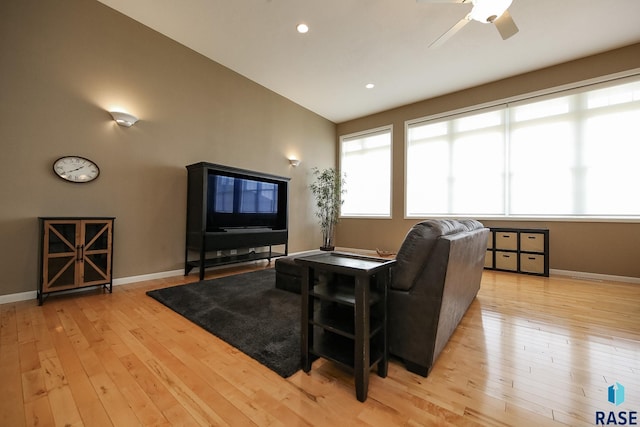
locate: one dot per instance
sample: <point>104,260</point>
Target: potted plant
<point>327,188</point>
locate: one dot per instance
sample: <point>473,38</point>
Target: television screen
<point>240,195</point>
<point>240,202</point>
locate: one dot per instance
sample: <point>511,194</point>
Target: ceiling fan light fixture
<point>487,11</point>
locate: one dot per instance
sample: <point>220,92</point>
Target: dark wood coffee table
<point>344,313</point>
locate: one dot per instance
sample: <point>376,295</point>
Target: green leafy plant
<point>328,189</point>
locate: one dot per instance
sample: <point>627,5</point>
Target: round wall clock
<point>76,169</point>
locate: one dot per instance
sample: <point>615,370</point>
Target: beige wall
<point>604,248</point>
<point>62,65</point>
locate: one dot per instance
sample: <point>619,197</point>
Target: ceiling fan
<point>485,11</point>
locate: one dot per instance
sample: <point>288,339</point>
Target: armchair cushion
<point>417,247</point>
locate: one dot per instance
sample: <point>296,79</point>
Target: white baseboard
<point>574,274</point>
<point>21,296</point>
<point>25,296</point>
<point>596,277</point>
<point>151,276</point>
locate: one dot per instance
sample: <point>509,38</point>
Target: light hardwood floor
<point>530,351</point>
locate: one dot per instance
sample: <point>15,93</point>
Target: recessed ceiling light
<point>302,28</point>
<point>370,85</point>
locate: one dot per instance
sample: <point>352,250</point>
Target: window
<point>451,163</point>
<point>566,155</point>
<point>365,160</point>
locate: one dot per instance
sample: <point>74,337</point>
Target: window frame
<point>566,90</point>
<point>369,132</point>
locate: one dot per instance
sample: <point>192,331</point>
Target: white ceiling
<point>355,42</point>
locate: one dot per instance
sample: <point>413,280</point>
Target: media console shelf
<point>234,215</point>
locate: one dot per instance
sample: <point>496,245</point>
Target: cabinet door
<point>96,238</point>
<point>61,267</point>
<point>532,263</point>
<point>506,261</point>
<point>507,240</point>
<point>532,242</point>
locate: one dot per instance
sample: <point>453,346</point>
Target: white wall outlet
<point>233,251</point>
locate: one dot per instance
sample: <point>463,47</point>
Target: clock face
<point>76,169</point>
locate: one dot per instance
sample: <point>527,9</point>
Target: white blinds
<point>575,155</point>
<point>456,166</point>
<point>365,159</point>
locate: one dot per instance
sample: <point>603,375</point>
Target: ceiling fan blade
<point>450,32</point>
<point>505,25</point>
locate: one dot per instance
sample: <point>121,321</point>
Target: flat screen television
<point>236,202</point>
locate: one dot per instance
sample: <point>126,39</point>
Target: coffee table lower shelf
<point>340,350</point>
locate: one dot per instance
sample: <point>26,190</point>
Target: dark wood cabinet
<point>520,250</point>
<point>75,253</point>
<point>344,313</point>
<point>221,229</point>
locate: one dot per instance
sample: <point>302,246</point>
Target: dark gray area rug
<point>248,312</point>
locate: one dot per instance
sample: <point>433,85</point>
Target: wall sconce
<point>123,119</point>
<point>294,162</point>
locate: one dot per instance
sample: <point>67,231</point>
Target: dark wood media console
<point>236,213</point>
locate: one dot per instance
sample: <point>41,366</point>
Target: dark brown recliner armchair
<point>436,277</point>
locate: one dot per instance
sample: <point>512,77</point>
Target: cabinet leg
<point>306,329</point>
<point>361,317</point>
<point>383,366</point>
<point>202,257</point>
<point>382,282</point>
<point>362,386</point>
<point>362,383</point>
